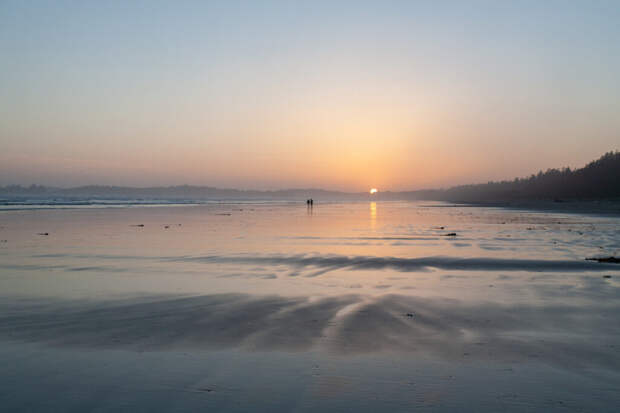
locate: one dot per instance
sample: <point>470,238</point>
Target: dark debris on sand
<point>612,260</point>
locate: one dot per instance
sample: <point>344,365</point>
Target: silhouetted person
<point>311,202</point>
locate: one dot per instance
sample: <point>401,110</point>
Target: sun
<point>373,191</point>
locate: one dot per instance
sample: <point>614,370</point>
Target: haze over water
<point>371,306</point>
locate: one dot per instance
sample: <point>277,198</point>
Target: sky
<point>325,94</point>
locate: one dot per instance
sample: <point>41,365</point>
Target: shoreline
<point>594,207</point>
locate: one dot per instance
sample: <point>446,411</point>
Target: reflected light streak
<point>373,215</point>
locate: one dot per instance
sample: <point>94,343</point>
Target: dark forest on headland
<point>600,179</point>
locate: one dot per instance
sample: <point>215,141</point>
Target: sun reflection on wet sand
<point>373,215</point>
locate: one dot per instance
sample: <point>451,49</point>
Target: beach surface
<point>275,306</point>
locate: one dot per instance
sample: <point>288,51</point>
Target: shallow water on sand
<point>277,307</point>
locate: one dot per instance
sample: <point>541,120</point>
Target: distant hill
<point>598,180</point>
<point>179,193</point>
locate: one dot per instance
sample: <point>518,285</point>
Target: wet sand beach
<point>380,306</point>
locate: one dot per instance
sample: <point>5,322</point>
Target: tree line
<point>600,179</point>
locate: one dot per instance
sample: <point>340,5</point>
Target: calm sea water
<point>278,307</point>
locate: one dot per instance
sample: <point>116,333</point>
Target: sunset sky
<point>336,95</point>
